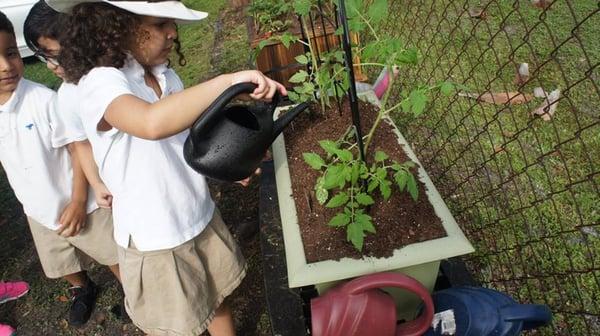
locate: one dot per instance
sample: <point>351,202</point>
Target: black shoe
<point>83,301</point>
<point>121,313</point>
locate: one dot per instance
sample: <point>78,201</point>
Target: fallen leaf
<point>498,149</point>
<point>499,98</point>
<point>63,298</point>
<point>548,107</point>
<point>477,13</point>
<point>522,75</point>
<point>542,4</point>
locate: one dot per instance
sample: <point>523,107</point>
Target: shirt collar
<point>135,70</point>
<point>15,98</point>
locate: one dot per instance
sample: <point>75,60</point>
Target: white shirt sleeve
<point>67,126</point>
<point>98,89</point>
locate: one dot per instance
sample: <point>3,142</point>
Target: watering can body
<point>228,142</point>
<point>485,312</point>
<point>360,308</point>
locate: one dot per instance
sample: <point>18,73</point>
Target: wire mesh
<point>523,185</point>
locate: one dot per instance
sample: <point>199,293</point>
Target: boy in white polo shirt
<point>65,222</point>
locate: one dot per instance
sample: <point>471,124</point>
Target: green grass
<point>524,190</point>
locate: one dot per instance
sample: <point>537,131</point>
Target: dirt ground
<point>44,309</point>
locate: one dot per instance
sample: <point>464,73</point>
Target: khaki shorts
<point>176,291</point>
<point>61,256</point>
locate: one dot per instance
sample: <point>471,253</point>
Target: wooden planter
<point>279,63</point>
<point>419,260</point>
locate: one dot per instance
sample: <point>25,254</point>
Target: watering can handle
<point>211,114</point>
<point>531,315</point>
<point>416,327</point>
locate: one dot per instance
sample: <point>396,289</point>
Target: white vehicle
<point>16,11</point>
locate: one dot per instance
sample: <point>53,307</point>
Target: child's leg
<point>222,323</point>
<point>115,270</point>
<point>78,279</point>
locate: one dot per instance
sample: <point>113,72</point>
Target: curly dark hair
<point>99,34</point>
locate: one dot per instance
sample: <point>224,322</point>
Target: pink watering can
<point>359,308</point>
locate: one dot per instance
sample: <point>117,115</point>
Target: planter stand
<point>419,260</point>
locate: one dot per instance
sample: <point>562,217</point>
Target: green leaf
<point>373,184</point>
<point>378,11</point>
<point>263,44</point>
<point>418,102</point>
<point>364,199</point>
<point>412,187</point>
<point>386,190</point>
<point>338,200</point>
<point>381,173</point>
<point>446,88</point>
<point>352,6</point>
<point>366,222</point>
<point>302,59</point>
<point>406,105</point>
<point>355,234</point>
<point>320,192</point>
<point>396,166</point>
<point>313,160</point>
<point>341,219</point>
<point>332,175</point>
<point>408,56</point>
<point>345,176</point>
<point>345,155</point>
<point>299,77</point>
<point>294,96</point>
<point>380,156</point>
<point>287,38</point>
<point>302,7</point>
<point>401,178</point>
<point>329,146</point>
<point>356,25</point>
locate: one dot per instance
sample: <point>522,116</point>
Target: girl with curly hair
<point>178,260</point>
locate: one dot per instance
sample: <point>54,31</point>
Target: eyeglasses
<point>46,59</point>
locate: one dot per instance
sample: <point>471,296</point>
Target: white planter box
<point>419,260</point>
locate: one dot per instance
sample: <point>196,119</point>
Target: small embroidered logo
<point>29,127</point>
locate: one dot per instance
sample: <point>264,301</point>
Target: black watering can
<point>228,143</point>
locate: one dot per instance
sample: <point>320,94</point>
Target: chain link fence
<point>516,152</point>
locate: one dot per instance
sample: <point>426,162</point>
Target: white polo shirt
<point>68,124</point>
<point>158,200</point>
<point>38,168</point>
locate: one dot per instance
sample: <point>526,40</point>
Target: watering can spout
<point>286,118</point>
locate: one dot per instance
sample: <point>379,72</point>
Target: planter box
<point>279,63</point>
<point>419,260</point>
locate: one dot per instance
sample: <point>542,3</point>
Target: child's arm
<point>73,217</point>
<point>83,151</point>
<point>178,111</point>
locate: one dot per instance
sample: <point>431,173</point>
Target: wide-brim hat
<point>166,9</point>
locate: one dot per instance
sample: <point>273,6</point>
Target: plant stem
<point>382,111</point>
<point>371,64</point>
<point>315,65</point>
<point>368,23</point>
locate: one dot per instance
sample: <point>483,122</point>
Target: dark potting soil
<point>400,221</point>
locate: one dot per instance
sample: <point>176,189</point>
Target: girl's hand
<point>72,219</point>
<point>103,196</point>
<point>266,87</point>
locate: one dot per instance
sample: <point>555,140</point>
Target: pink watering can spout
<point>359,308</point>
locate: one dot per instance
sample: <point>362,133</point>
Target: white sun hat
<point>165,9</point>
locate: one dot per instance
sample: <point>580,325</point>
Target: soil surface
<point>399,221</point>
